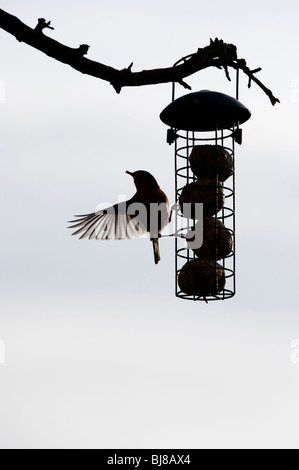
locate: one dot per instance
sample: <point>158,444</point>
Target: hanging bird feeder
<point>204,127</point>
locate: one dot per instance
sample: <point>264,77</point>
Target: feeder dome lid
<point>204,111</point>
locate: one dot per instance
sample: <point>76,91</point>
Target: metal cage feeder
<point>204,126</point>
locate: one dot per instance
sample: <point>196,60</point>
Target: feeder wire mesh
<point>204,127</point>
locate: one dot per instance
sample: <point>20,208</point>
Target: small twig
<point>227,72</point>
<point>252,72</point>
<point>129,69</point>
<point>184,84</point>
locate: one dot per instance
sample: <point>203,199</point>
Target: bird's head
<point>143,179</point>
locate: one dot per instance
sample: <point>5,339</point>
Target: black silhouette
<point>147,211</point>
<point>217,54</point>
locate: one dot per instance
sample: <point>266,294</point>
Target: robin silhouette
<point>147,211</point>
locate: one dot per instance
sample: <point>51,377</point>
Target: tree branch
<point>216,54</point>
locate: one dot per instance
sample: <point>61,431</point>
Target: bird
<point>147,211</point>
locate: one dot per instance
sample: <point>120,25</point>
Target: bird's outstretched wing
<point>117,222</point>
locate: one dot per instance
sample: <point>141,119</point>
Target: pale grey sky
<point>99,353</point>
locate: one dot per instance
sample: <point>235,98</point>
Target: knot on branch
<point>117,84</point>
<point>42,24</point>
<point>223,50</point>
<point>82,49</point>
<point>241,63</point>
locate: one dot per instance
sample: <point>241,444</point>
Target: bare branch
<point>216,54</point>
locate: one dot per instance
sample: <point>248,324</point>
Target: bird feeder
<point>204,126</point>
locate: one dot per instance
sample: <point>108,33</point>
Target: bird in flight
<point>147,211</point>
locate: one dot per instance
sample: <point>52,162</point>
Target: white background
<point>98,351</point>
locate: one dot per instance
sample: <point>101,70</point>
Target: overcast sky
<point>98,351</point>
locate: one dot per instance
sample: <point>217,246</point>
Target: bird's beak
<point>129,173</point>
